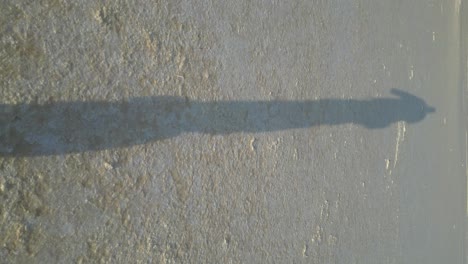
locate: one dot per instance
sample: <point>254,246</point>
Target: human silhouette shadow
<point>58,128</point>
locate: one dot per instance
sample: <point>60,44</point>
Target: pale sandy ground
<point>323,194</point>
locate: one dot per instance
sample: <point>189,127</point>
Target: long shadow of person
<point>69,127</point>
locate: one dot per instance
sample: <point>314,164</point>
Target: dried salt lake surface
<point>231,131</point>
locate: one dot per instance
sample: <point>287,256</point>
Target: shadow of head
<point>411,108</point>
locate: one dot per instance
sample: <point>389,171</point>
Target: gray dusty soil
<point>94,170</point>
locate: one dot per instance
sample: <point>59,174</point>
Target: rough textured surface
<point>320,194</point>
